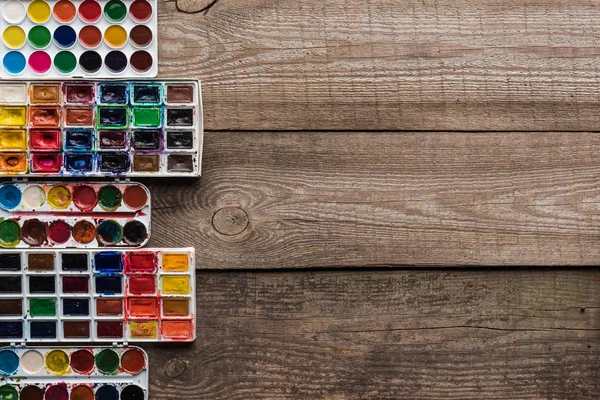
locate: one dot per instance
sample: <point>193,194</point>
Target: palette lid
<point>74,372</point>
<point>79,39</point>
<point>74,214</point>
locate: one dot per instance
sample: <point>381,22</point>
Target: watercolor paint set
<point>100,128</point>
<point>76,101</point>
<point>68,38</point>
<point>73,373</point>
<point>88,214</point>
<point>97,296</point>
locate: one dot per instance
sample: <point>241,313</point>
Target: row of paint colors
<point>103,285</point>
<point>32,390</point>
<point>52,231</point>
<point>65,11</point>
<point>136,93</point>
<point>133,295</point>
<point>141,128</point>
<point>109,163</point>
<point>65,62</point>
<point>52,38</point>
<point>82,140</point>
<point>55,373</point>
<point>100,117</point>
<point>77,198</point>
<point>148,330</point>
<point>72,362</point>
<point>65,37</point>
<point>77,307</point>
<point>131,262</point>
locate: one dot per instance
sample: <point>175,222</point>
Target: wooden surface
<point>527,65</point>
<point>357,155</point>
<point>363,199</point>
<point>454,334</point>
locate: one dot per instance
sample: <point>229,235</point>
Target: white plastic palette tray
<point>77,24</point>
<point>74,372</point>
<point>146,295</point>
<point>175,148</point>
<point>52,214</point>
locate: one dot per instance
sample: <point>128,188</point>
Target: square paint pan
<point>74,214</point>
<point>97,296</point>
<point>75,39</point>
<point>63,373</point>
<point>96,128</point>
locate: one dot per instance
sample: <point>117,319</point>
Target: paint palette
<point>98,128</point>
<point>48,214</point>
<point>58,38</point>
<point>97,296</point>
<point>99,373</point>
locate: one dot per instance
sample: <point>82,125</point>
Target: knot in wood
<point>230,221</point>
<point>175,368</point>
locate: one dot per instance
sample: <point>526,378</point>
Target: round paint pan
<point>82,392</point>
<point>82,361</point>
<point>34,232</point>
<point>84,232</point>
<point>9,362</point>
<point>109,233</point>
<point>136,196</point>
<point>65,62</point>
<point>85,198</point>
<point>32,362</point>
<point>140,36</point>
<point>135,233</point>
<point>10,196</point>
<point>133,361</point>
<point>110,198</point>
<point>90,62</point>
<point>14,62</point>
<point>64,37</point>
<point>90,36</point>
<point>38,11</point>
<point>14,37</point>
<point>115,36</point>
<point>39,37</point>
<point>10,233</point>
<point>64,11</point>
<point>13,12</point>
<point>107,361</point>
<point>89,11</point>
<point>59,231</point>
<point>115,11</point>
<point>32,392</point>
<point>57,391</point>
<point>140,11</point>
<point>141,61</point>
<point>115,61</point>
<point>39,62</point>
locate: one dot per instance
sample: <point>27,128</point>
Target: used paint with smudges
<point>57,362</point>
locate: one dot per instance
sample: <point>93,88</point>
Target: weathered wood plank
<point>388,65</point>
<point>343,199</point>
<point>461,334</point>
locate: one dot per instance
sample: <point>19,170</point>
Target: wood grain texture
<point>458,334</point>
<point>355,199</point>
<point>388,65</point>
